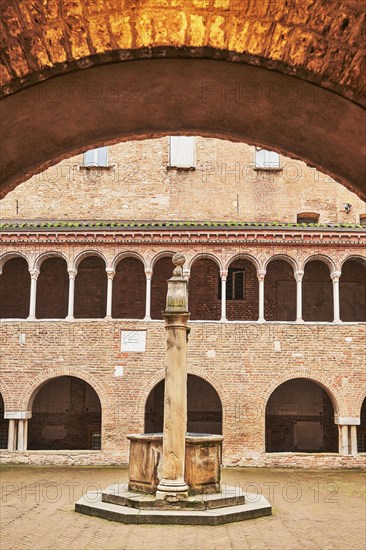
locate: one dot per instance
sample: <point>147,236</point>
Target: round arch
<point>285,258</point>
<point>46,255</point>
<point>159,256</point>
<point>34,385</point>
<point>321,258</point>
<point>204,407</point>
<point>243,256</point>
<point>127,254</point>
<point>353,257</point>
<point>205,256</point>
<point>86,254</point>
<point>10,255</point>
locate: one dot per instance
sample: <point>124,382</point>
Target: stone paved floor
<point>311,510</point>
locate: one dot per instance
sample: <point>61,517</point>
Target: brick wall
<point>239,360</point>
<point>138,185</point>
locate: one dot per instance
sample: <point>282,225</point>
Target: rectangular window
<point>266,159</point>
<point>234,284</point>
<point>96,157</point>
<point>182,152</point>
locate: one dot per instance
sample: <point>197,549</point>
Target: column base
<point>299,321</point>
<point>169,489</point>
<point>70,318</point>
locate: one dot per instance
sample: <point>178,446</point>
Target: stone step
<point>91,504</point>
<point>119,493</point>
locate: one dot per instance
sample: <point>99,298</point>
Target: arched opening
<point>361,430</point>
<point>352,291</point>
<point>279,292</point>
<point>15,289</point>
<point>317,292</point>
<point>4,426</point>
<point>163,270</point>
<point>300,417</point>
<point>204,297</point>
<point>241,291</point>
<point>52,289</point>
<point>204,408</point>
<point>66,415</point>
<point>129,284</point>
<point>91,289</point>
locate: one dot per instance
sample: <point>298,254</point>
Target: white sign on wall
<point>133,340</point>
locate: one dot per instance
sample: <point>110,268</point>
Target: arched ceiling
<point>308,54</point>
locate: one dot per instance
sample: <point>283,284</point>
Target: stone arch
<point>338,399</point>
<point>27,397</point>
<point>157,257</point>
<point>322,258</point>
<point>205,256</point>
<point>86,254</point>
<point>10,255</point>
<point>242,41</point>
<point>46,255</point>
<point>6,395</point>
<point>244,256</point>
<point>128,254</point>
<point>284,257</point>
<point>357,257</point>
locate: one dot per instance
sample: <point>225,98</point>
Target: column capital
<point>261,274</point>
<point>72,272</point>
<point>110,272</point>
<point>223,275</point>
<point>34,273</point>
<point>299,275</point>
<point>335,276</point>
<point>148,272</point>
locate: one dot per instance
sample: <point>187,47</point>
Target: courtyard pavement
<point>311,510</point>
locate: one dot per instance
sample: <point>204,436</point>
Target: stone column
<point>335,278</point>
<point>21,433</point>
<point>110,275</point>
<point>343,440</point>
<point>261,276</point>
<point>223,295</point>
<point>11,435</point>
<point>172,485</point>
<point>353,449</point>
<point>148,273</point>
<point>33,294</point>
<point>298,277</point>
<point>70,310</point>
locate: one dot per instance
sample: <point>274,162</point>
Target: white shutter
<point>182,151</point>
<point>266,159</point>
<point>90,158</point>
<point>96,157</point>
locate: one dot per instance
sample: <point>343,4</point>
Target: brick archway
<point>84,75</point>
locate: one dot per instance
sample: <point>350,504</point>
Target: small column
<point>33,294</point>
<point>11,435</point>
<point>172,484</point>
<point>343,440</point>
<point>110,275</point>
<point>70,310</point>
<point>21,430</point>
<point>223,295</point>
<point>148,273</point>
<point>261,276</point>
<point>298,277</point>
<point>353,430</point>
<point>335,278</point>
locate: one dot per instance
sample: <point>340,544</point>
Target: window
<point>234,284</point>
<point>182,152</point>
<point>96,158</point>
<point>308,217</point>
<point>267,160</point>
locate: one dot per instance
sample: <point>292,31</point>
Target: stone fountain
<point>174,477</point>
